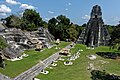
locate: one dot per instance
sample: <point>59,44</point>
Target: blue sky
<point>77,10</point>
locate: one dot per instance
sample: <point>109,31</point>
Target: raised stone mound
<point>19,40</point>
<point>91,57</point>
<point>45,36</point>
<point>2,63</point>
<point>95,33</point>
<point>11,53</point>
<point>14,37</point>
<point>65,52</point>
<point>2,28</point>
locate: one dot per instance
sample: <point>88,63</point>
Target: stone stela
<point>95,33</point>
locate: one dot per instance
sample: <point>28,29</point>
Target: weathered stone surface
<point>4,77</point>
<point>45,36</point>
<point>19,40</point>
<point>2,28</point>
<point>95,34</point>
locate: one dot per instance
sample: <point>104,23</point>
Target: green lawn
<point>78,71</point>
<point>15,68</point>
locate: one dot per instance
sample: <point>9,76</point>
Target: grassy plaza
<point>13,69</point>
<point>78,71</point>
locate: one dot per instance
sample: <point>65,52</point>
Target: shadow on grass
<point>102,75</point>
<point>109,55</point>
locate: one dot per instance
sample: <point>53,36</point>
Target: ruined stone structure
<point>19,40</point>
<point>95,34</point>
<point>45,37</point>
<point>2,28</point>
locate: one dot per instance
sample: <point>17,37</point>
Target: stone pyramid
<point>95,33</point>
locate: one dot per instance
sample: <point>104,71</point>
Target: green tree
<point>110,28</point>
<point>84,25</point>
<point>61,28</point>
<point>45,24</point>
<point>31,27</point>
<point>52,23</point>
<point>31,20</point>
<point>115,37</point>
<point>2,43</point>
<point>58,26</point>
<point>73,33</point>
<point>13,21</point>
<point>63,19</point>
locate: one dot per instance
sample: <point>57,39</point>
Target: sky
<point>78,11</point>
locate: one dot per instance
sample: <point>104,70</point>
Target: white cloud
<point>112,20</point>
<point>4,9</point>
<point>47,19</point>
<point>13,2</point>
<point>51,12</point>
<point>55,16</point>
<point>26,6</point>
<point>3,14</point>
<point>86,17</point>
<point>69,3</point>
<point>104,20</point>
<point>20,14</point>
<point>116,19</point>
<point>66,9</point>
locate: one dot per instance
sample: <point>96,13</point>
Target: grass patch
<point>78,71</point>
<point>13,69</point>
